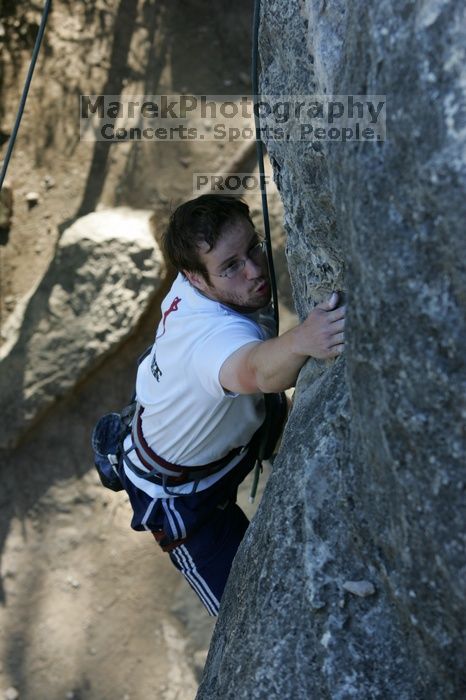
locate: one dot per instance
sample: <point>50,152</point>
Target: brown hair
<point>198,220</point>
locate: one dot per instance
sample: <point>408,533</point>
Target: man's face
<point>249,289</point>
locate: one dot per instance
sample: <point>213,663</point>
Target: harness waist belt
<point>163,472</point>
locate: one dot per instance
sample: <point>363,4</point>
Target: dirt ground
<point>91,610</point>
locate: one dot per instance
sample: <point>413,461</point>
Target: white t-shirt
<point>188,417</point>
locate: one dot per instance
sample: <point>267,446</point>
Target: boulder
<point>106,270</point>
<point>350,581</point>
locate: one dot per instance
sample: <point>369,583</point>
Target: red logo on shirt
<point>173,307</point>
<point>155,369</point>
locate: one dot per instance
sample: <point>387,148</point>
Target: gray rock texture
<point>105,272</point>
<point>368,487</point>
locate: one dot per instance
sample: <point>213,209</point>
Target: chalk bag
<point>106,444</point>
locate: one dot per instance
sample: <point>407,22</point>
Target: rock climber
<point>200,390</point>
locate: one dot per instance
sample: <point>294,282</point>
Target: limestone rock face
<point>106,269</point>
<point>368,488</point>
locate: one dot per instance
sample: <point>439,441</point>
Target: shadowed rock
<point>105,272</point>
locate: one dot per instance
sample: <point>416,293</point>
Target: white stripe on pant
<point>200,585</point>
<point>178,517</point>
<point>147,513</point>
<point>173,527</point>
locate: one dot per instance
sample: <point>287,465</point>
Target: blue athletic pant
<point>205,558</point>
<point>201,532</point>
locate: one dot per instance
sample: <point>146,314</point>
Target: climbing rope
<point>22,103</point>
<point>260,160</point>
<point>265,209</point>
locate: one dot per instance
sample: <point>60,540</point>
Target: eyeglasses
<point>255,253</point>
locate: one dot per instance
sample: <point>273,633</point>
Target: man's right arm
<point>273,365</point>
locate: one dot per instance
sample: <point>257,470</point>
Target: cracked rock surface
<point>368,487</point>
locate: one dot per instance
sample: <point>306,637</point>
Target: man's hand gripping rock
<point>321,335</point>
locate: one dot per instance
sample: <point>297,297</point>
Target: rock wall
<point>350,581</point>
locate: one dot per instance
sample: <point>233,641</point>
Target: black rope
<point>260,160</point>
<point>22,103</point>
<point>265,208</point>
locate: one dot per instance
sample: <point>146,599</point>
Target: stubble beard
<point>243,304</point>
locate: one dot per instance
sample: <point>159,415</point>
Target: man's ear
<point>196,280</point>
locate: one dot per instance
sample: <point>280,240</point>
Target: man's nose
<point>252,269</point>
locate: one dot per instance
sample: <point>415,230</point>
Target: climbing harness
<point>108,439</point>
<point>111,430</point>
<point>24,95</point>
<point>159,470</point>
